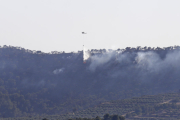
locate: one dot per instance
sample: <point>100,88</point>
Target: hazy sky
<point>56,25</point>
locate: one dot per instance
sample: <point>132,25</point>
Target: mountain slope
<point>161,106</point>
<point>35,83</point>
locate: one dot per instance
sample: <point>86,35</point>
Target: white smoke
<point>172,59</point>
<point>86,54</point>
<point>122,57</point>
<point>98,60</point>
<point>58,71</point>
<point>148,61</point>
<point>151,61</point>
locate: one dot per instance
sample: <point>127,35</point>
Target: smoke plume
<point>86,54</point>
<point>148,61</point>
<point>58,71</point>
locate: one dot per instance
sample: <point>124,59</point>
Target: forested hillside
<point>37,83</point>
<point>147,107</point>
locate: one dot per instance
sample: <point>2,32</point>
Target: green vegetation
<point>155,107</point>
<point>37,85</point>
<point>105,117</point>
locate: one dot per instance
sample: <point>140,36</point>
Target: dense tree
<point>97,118</point>
<point>106,116</point>
<point>44,119</point>
<point>37,83</point>
<point>115,117</point>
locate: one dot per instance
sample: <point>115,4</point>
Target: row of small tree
<point>105,117</point>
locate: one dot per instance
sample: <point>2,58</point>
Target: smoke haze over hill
<point>57,82</point>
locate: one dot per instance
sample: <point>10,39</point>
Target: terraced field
<point>162,106</point>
